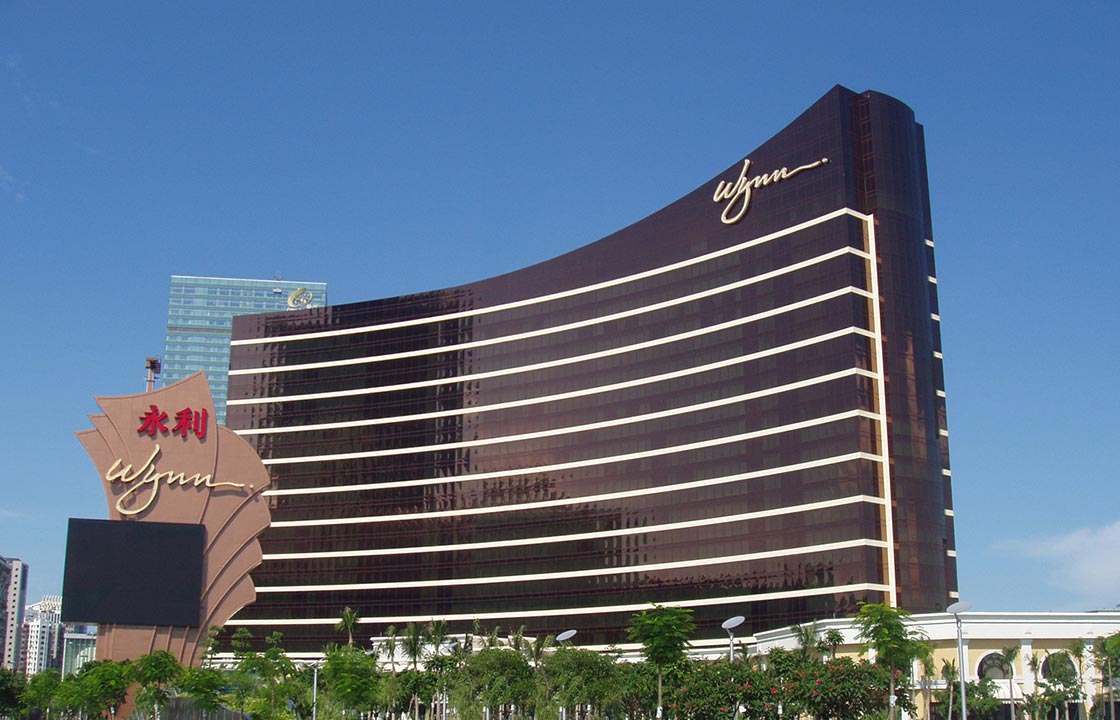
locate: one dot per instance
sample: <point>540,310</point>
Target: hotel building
<point>735,405</point>
<point>200,312</point>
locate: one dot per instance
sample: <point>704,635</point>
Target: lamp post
<point>729,625</point>
<point>563,638</point>
<point>314,690</point>
<point>152,365</point>
<point>955,610</point>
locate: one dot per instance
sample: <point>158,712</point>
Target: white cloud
<point>1082,562</point>
<point>9,186</point>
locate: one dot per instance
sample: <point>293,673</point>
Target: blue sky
<point>388,148</point>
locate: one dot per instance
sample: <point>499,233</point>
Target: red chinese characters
<point>187,422</point>
<point>152,422</point>
<point>190,421</point>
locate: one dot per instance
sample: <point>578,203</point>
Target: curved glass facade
<point>740,415</point>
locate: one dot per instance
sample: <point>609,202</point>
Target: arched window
<point>1058,666</point>
<point>991,666</point>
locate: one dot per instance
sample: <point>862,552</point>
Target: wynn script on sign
<point>147,474</point>
<point>738,193</point>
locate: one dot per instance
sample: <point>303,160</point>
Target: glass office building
<point>200,316</point>
<point>735,405</point>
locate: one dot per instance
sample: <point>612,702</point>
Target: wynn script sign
<point>148,476</point>
<point>157,468</point>
<point>160,460</point>
<point>738,194</point>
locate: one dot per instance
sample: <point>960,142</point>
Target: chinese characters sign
<point>187,422</point>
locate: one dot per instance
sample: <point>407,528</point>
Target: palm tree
<point>516,639</point>
<point>391,647</point>
<point>950,676</point>
<point>413,641</point>
<point>492,639</point>
<point>925,660</point>
<point>1006,659</point>
<point>807,638</point>
<point>347,623</point>
<point>1078,648</point>
<point>535,651</point>
<point>437,634</point>
<point>832,640</point>
<point>1034,662</point>
<point>413,644</point>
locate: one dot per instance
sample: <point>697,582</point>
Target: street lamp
<point>152,365</point>
<point>562,638</point>
<point>955,610</point>
<point>314,690</point>
<point>729,625</point>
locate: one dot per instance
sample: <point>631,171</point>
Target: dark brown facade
<point>734,405</point>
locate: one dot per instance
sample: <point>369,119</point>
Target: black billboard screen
<point>133,573</point>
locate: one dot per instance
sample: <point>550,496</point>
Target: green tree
<point>1033,702</point>
<point>413,645</point>
<point>41,689</point>
<point>412,642</point>
<point>389,647</point>
<point>69,697</point>
<point>240,683</point>
<point>347,622</point>
<point>663,633</point>
<point>981,696</point>
<point>808,640</point>
<point>882,628</point>
<point>350,676</point>
<point>443,669</point>
<point>847,689</point>
<point>271,675</point>
<point>831,641</point>
<point>516,639</point>
<point>203,685</point>
<point>103,685</point>
<point>635,690</point>
<point>536,651</point>
<point>1079,651</point>
<point>1006,659</point>
<point>156,672</point>
<point>951,678</point>
<point>393,696</point>
<point>576,677</point>
<point>499,676</point>
<point>1061,687</point>
<point>711,690</point>
<point>241,642</point>
<point>1106,656</point>
<point>11,691</point>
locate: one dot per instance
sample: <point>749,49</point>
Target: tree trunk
<point>658,691</point>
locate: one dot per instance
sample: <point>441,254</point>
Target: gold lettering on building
<point>147,478</point>
<point>738,194</point>
<point>300,298</point>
